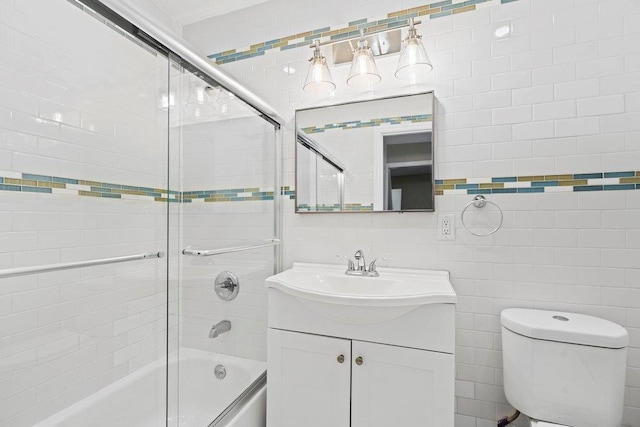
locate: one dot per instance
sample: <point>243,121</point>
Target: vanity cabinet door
<point>308,380</point>
<point>397,386</point>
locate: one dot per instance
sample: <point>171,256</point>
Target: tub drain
<point>220,372</point>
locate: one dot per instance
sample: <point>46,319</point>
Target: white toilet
<point>564,369</point>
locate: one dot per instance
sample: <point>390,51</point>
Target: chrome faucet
<point>359,256</point>
<point>359,268</point>
<point>220,328</point>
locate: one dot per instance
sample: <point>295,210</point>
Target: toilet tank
<point>564,368</point>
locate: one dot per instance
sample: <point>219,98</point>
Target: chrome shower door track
<point>241,401</point>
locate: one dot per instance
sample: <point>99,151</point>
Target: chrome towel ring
<point>479,202</point>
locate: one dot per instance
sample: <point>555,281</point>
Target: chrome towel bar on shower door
<point>210,252</point>
<point>14,272</point>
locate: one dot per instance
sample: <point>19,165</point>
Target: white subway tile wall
<point>556,94</point>
<point>235,154</point>
<point>75,103</point>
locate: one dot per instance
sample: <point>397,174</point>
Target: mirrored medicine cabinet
<point>366,156</point>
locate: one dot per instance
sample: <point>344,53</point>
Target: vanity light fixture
<point>198,95</point>
<point>202,99</point>
<point>319,78</point>
<point>199,101</point>
<point>364,72</point>
<point>414,63</point>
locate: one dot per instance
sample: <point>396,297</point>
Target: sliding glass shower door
<point>229,236</point>
<point>129,187</point>
<point>84,152</point>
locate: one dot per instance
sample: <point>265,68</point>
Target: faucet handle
<point>373,265</point>
<point>350,265</point>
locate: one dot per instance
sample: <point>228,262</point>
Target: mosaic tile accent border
<point>393,19</point>
<point>358,124</point>
<point>599,181</point>
<point>288,191</point>
<point>607,181</point>
<point>234,195</point>
<point>32,183</point>
<point>349,207</point>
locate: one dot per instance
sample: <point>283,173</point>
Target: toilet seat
<point>536,423</point>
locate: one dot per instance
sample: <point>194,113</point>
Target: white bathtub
<point>138,400</point>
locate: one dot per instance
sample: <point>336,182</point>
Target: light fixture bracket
<point>380,44</point>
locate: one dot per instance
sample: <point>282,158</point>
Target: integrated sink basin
<point>327,290</point>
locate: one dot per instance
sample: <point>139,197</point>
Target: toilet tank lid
<point>565,327</point>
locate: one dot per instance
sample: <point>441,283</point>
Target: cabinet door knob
<point>341,358</point>
<point>359,360</point>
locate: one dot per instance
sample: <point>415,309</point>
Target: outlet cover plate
<point>446,227</point>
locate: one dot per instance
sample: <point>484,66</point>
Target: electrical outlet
<point>446,227</point>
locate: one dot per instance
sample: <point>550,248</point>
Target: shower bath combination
<point>122,195</point>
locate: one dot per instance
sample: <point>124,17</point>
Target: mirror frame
<point>433,142</point>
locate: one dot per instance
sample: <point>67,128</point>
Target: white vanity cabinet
<point>397,386</point>
<point>318,381</point>
<point>309,380</point>
<point>348,351</point>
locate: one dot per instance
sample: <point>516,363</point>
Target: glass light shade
<point>363,73</point>
<point>414,63</point>
<point>319,78</point>
<point>166,101</point>
<point>199,99</point>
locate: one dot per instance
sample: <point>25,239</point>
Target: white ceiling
<point>189,11</point>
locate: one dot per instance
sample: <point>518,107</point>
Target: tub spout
<point>220,328</point>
